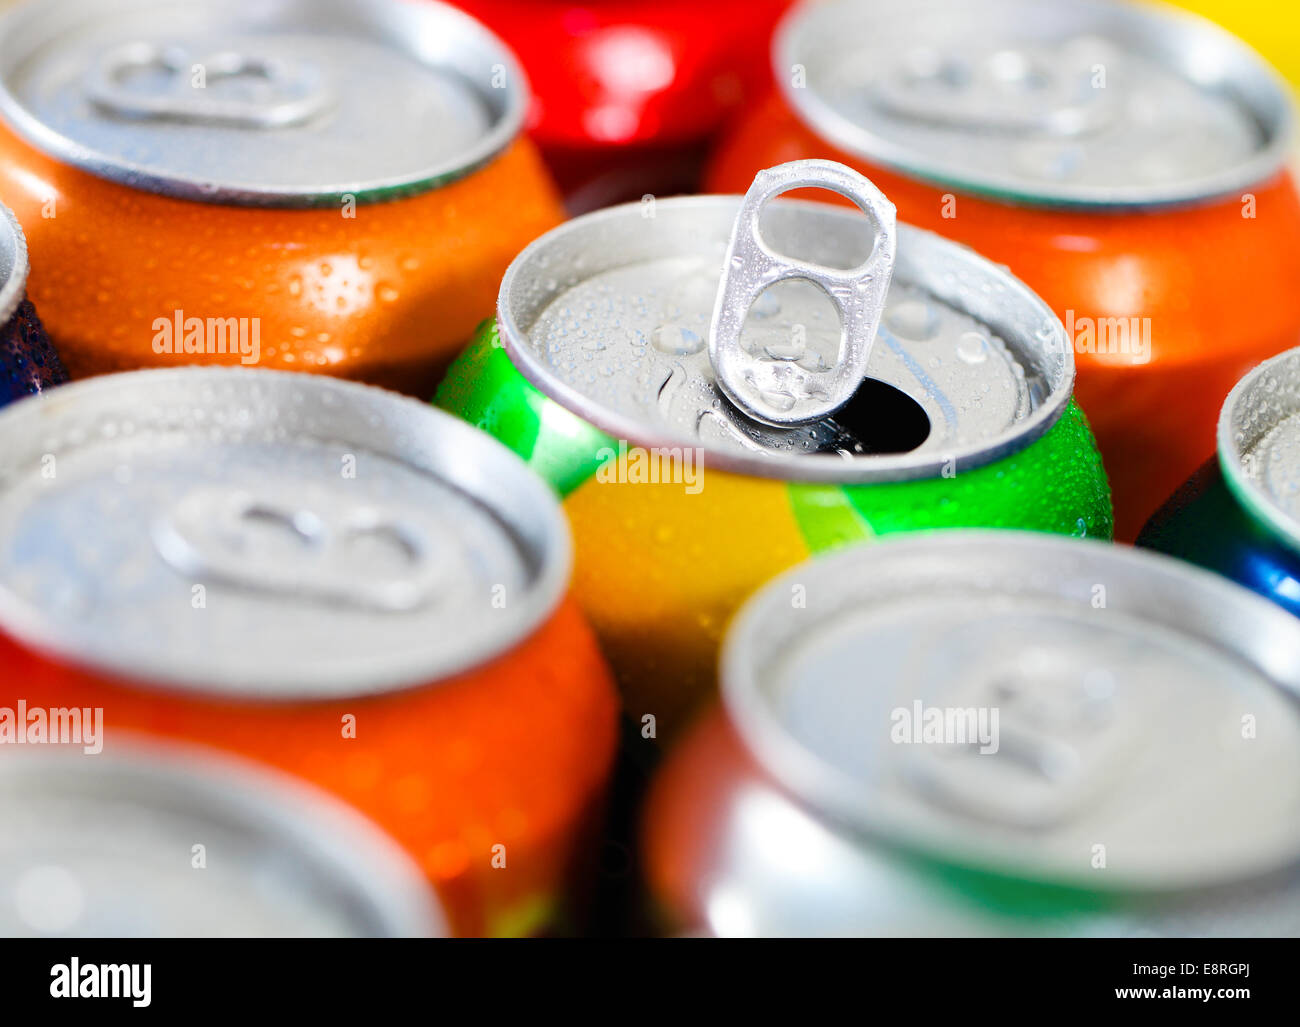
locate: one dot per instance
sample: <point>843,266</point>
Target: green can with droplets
<point>597,372</point>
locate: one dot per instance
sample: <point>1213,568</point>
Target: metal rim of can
<point>934,263</point>
<point>420,20</point>
<point>449,448</point>
<point>1232,456</point>
<point>13,264</point>
<point>1152,24</point>
<point>1186,598</point>
<point>375,876</point>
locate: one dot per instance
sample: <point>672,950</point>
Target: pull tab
<point>782,393</point>
<point>277,94</point>
<point>278,544</point>
<point>1029,91</point>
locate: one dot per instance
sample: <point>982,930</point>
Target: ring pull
<point>782,393</point>
<point>282,94</point>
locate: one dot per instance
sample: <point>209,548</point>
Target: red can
<point>1127,162</point>
<point>627,93</point>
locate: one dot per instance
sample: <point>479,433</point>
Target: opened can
<point>1126,160</point>
<point>28,363</point>
<point>882,380</point>
<point>990,734</point>
<point>330,579</point>
<point>318,185</point>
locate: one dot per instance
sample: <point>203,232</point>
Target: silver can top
<point>13,264</point>
<point>163,841</point>
<point>1056,710</point>
<point>268,534</point>
<point>612,316</point>
<point>1259,444</point>
<point>1091,103</point>
<point>261,102</point>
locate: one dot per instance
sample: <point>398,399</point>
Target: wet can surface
<point>1087,147</point>
<point>149,840</point>
<point>627,93</point>
<point>1107,743</point>
<point>329,186</point>
<point>328,578</point>
<point>600,372</point>
<point>1238,514</point>
<point>28,363</point>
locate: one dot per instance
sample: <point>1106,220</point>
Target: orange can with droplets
<point>331,579</point>
<point>332,186</point>
<point>1126,161</point>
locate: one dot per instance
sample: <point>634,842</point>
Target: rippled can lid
<point>106,846</point>
<point>1089,103</point>
<point>1259,444</point>
<point>1057,710</point>
<point>610,315</point>
<point>261,102</point>
<point>267,534</point>
<point>13,264</point>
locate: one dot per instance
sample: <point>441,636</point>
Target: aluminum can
<point>28,363</point>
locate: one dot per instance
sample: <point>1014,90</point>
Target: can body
<point>28,363</point>
<point>661,566</point>
<point>386,296</point>
<point>1169,280</point>
<point>512,755</point>
<point>627,92</point>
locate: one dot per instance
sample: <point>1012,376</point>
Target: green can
<point>599,373</point>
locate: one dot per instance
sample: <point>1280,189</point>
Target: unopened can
<point>991,733</point>
<point>599,372</point>
<point>1126,160</point>
<point>628,93</point>
<point>1240,513</point>
<point>313,185</point>
<point>28,363</point>
<point>328,578</point>
<point>148,840</point>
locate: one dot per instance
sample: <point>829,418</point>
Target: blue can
<point>1239,514</point>
<point>28,362</point>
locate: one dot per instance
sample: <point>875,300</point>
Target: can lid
<point>1259,444</point>
<point>1093,103</point>
<point>611,315</point>
<point>106,846</point>
<point>13,264</point>
<point>267,534</point>
<point>1033,706</point>
<point>288,103</point>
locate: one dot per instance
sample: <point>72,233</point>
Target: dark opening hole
<point>878,420</point>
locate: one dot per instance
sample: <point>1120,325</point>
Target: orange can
<point>1126,161</point>
<point>320,185</point>
<point>343,583</point>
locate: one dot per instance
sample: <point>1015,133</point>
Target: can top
<point>611,314</point>
<point>13,264</point>
<point>1083,695</point>
<point>1259,444</point>
<point>267,534</point>
<point>284,103</point>
<point>106,846</point>
<point>1092,103</point>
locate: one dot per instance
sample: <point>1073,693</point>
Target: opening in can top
<point>610,315</point>
<point>264,102</point>
<point>265,534</point>
<point>102,846</point>
<point>1090,103</point>
<point>13,264</point>
<point>1259,444</point>
<point>1008,701</point>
